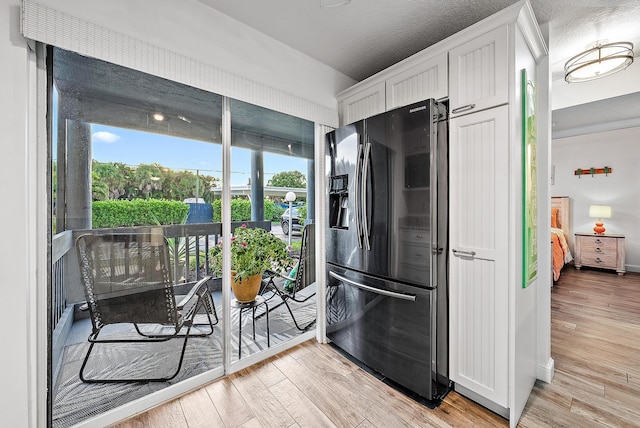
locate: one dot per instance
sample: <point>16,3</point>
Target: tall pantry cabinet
<point>493,324</point>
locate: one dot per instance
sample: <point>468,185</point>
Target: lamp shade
<point>600,211</point>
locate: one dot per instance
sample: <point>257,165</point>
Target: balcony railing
<point>188,242</point>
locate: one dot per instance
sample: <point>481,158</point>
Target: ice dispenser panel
<point>339,201</point>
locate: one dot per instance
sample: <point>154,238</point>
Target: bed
<point>560,233</point>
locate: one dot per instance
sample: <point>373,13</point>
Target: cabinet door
<point>479,177</point>
<point>423,81</point>
<point>366,103</point>
<point>478,77</point>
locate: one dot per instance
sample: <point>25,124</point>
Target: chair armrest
<point>199,288</point>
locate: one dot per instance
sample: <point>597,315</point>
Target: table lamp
<point>599,212</point>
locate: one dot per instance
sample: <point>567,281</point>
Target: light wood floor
<point>595,345</point>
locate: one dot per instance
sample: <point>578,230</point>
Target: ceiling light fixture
<point>599,60</point>
<point>158,116</point>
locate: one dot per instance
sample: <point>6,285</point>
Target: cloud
<point>105,137</point>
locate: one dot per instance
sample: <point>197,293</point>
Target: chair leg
<point>123,380</point>
<point>93,339</point>
<point>276,291</point>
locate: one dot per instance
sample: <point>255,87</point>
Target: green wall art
<point>529,182</point>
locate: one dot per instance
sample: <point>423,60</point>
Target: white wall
<point>570,94</point>
<point>14,170</point>
<point>619,150</point>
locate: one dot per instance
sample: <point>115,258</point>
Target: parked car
<point>295,221</point>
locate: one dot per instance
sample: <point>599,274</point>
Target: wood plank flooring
<point>595,345</point>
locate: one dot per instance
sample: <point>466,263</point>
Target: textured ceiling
<point>366,36</point>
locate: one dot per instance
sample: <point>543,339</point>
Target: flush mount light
<point>598,61</point>
<point>158,116</point>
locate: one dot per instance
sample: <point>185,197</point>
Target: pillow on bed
<point>554,217</point>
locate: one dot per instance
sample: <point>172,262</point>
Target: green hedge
<point>138,212</point>
<point>241,210</point>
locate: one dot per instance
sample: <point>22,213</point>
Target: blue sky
<point>134,147</point>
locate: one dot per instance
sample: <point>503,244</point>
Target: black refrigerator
<point>387,293</point>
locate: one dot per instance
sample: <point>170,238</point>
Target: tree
<point>147,178</point>
<point>115,176</point>
<point>288,179</point>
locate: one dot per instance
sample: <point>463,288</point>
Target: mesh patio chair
<point>299,284</point>
<point>127,280</point>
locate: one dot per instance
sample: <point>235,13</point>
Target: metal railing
<point>188,242</point>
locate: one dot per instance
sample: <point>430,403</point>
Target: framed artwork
<point>529,182</point>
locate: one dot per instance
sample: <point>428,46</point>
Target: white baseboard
<point>633,268</point>
<point>545,372</point>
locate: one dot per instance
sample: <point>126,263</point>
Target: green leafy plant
<point>253,250</point>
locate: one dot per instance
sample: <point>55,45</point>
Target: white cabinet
<point>425,80</point>
<point>478,73</point>
<point>479,283</point>
<point>365,103</point>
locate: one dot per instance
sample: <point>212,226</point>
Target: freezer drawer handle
<point>464,253</point>
<point>410,297</point>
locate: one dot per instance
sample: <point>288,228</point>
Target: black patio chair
<point>298,286</point>
<point>127,280</point>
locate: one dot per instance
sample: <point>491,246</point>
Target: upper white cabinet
<point>423,81</point>
<point>478,73</point>
<point>419,78</point>
<point>365,103</point>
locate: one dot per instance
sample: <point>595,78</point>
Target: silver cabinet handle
<point>463,108</point>
<point>410,297</point>
<point>464,253</point>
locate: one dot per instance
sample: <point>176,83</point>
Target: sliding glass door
<point>137,164</point>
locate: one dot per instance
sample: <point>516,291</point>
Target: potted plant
<point>253,250</point>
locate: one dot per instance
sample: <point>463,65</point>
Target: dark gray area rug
<point>76,401</point>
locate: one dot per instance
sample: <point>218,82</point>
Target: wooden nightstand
<point>601,251</point>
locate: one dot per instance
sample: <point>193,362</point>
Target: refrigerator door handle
<point>410,297</point>
<point>358,209</point>
<point>365,180</point>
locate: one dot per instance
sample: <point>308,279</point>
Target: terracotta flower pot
<point>246,290</point>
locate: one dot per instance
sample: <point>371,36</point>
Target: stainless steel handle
<point>410,297</point>
<point>463,108</point>
<point>357,196</point>
<point>365,179</point>
<point>464,253</point>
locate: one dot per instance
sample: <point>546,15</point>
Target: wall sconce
<point>599,61</point>
<point>599,212</point>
